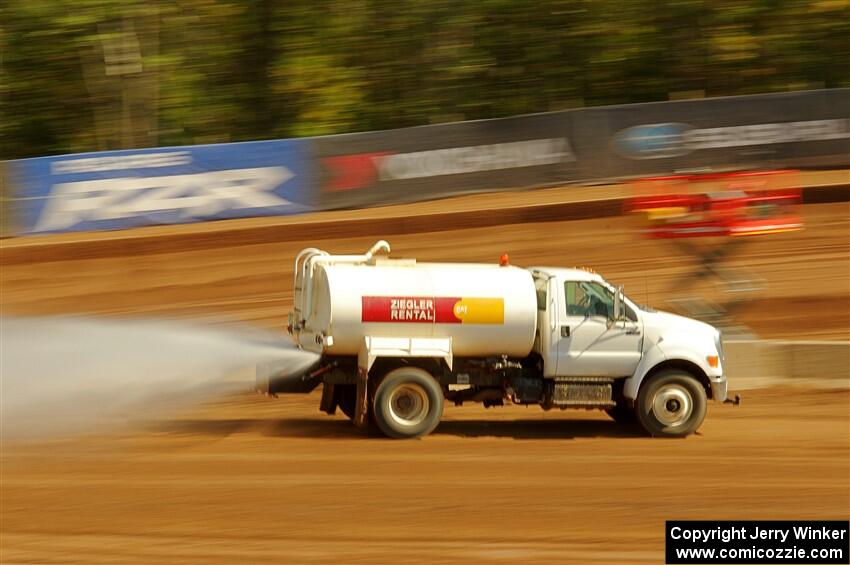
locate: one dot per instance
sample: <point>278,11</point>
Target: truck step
<point>583,391</point>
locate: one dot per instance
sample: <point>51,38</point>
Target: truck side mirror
<point>618,304</point>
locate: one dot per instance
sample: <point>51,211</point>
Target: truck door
<point>589,343</point>
<point>544,342</point>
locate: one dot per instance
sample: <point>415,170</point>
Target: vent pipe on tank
<point>380,245</point>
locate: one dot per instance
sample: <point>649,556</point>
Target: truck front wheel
<point>671,404</point>
<point>408,403</point>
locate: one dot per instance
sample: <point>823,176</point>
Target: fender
<point>659,353</point>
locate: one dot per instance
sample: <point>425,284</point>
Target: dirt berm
<point>241,269</point>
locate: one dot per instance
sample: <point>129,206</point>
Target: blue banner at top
<point>123,189</point>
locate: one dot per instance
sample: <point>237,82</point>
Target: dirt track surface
<point>258,480</point>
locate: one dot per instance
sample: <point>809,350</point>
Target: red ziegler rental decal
<point>433,309</point>
<point>423,309</point>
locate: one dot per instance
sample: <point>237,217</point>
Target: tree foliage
<point>87,75</point>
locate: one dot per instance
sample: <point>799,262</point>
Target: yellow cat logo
<point>480,310</point>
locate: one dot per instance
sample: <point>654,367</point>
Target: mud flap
<point>361,408</point>
<point>328,403</point>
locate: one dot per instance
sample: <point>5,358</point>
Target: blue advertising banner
<point>167,185</point>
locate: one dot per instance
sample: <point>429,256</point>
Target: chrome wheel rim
<point>672,405</point>
<point>408,405</point>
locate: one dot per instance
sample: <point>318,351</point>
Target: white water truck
<point>397,338</point>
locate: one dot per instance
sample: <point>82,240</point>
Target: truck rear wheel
<point>408,403</point>
<point>671,404</point>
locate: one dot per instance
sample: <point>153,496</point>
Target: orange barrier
<point>718,204</point>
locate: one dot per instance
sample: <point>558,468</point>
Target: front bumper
<point>719,388</point>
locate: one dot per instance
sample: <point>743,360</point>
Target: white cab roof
<point>575,274</point>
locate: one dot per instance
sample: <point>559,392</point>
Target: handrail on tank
<point>315,256</point>
<point>302,253</point>
<point>296,290</point>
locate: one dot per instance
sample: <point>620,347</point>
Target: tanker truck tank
<point>484,309</point>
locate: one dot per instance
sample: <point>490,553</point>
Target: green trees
<point>86,75</point>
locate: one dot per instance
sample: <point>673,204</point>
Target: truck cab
<point>587,327</point>
<point>578,332</point>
